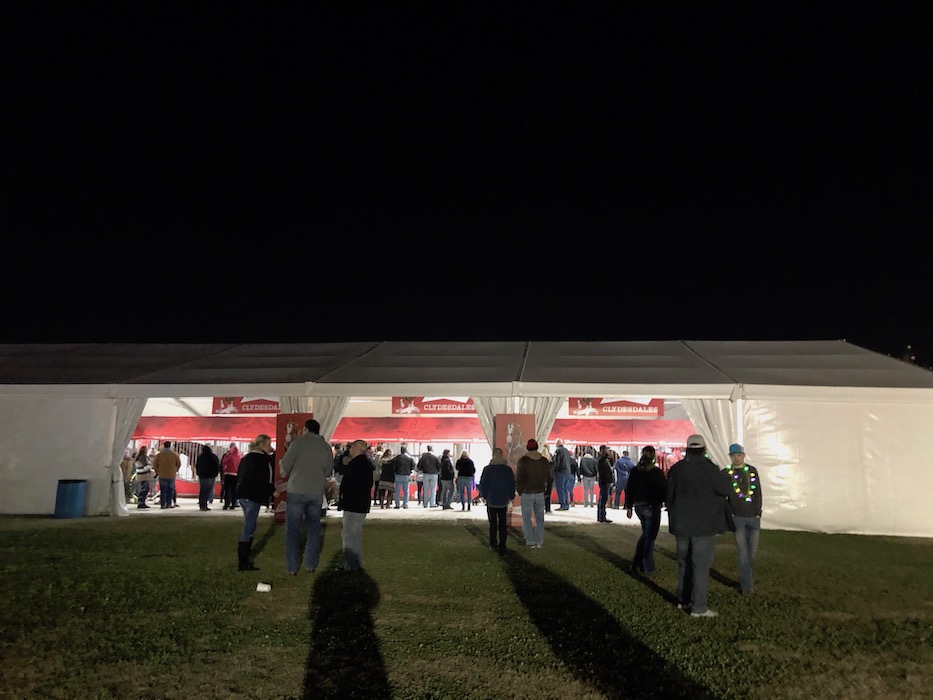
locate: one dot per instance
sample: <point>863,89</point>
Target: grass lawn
<point>155,608</point>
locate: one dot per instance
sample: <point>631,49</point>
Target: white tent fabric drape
<point>294,404</point>
<point>328,410</point>
<point>127,413</point>
<point>487,408</point>
<point>545,409</point>
<point>715,420</point>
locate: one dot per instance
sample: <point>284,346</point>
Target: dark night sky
<point>494,171</point>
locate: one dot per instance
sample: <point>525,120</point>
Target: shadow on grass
<point>344,659</point>
<point>275,527</point>
<point>270,531</point>
<point>621,563</point>
<point>714,573</point>
<point>615,663</point>
<point>513,538</point>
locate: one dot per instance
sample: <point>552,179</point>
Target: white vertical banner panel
<point>842,466</point>
<point>45,440</point>
<point>898,469</point>
<point>808,456</point>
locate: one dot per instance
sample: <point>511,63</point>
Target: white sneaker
<point>708,613</point>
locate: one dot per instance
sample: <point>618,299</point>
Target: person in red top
<point>229,467</point>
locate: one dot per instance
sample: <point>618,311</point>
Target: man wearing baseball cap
<point>697,505</point>
<point>745,500</point>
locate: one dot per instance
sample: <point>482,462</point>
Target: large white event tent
<point>838,432</point>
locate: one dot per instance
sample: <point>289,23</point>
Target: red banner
<point>413,428</point>
<point>416,429</point>
<point>421,405</point>
<point>225,405</point>
<point>203,428</point>
<point>288,427</point>
<point>615,408</point>
<point>585,431</point>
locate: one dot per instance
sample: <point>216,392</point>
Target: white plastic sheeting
<point>842,466</point>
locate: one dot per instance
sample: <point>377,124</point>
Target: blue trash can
<point>69,500</point>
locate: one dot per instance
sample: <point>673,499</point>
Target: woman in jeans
<point>646,491</point>
<point>466,470</point>
<point>253,489</point>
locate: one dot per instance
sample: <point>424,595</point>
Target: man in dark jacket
<point>563,474</point>
<point>606,478</point>
<point>430,467</point>
<point>355,486</point>
<point>404,465</point>
<point>207,467</point>
<point>588,473</point>
<point>697,506</point>
<point>448,476</point>
<point>746,504</point>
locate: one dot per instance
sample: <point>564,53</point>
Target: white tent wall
<point>46,440</point>
<point>838,432</point>
<point>842,466</point>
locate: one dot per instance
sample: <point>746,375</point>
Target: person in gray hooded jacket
<point>307,464</point>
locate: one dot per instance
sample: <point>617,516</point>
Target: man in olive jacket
<point>697,505</point>
<point>531,477</point>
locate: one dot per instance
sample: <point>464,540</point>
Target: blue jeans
<point>429,491</point>
<point>465,490</point>
<point>620,492</point>
<point>533,504</point>
<point>166,492</point>
<point>352,540</point>
<point>589,491</point>
<point>747,532</point>
<point>205,487</point>
<point>447,492</point>
<point>298,507</point>
<point>250,518</point>
<point>694,557</point>
<point>601,503</point>
<point>401,490</point>
<point>650,517</point>
<point>562,481</point>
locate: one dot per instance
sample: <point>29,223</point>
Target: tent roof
<point>601,368</point>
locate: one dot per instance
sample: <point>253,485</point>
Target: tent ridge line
<point>223,350</point>
<point>351,361</point>
<point>702,359</point>
<point>523,362</point>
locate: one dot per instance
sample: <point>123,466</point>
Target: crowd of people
<point>702,500</point>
